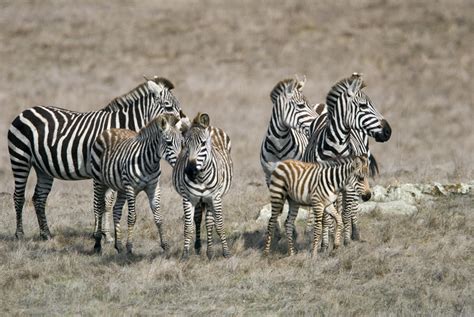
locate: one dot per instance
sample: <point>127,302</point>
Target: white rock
<point>266,212</point>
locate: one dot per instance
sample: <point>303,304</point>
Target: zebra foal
<point>316,185</point>
<point>129,162</point>
<point>202,176</point>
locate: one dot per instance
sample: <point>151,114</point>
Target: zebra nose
<point>366,196</point>
<point>386,132</point>
<point>191,170</point>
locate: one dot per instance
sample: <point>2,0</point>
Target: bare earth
<point>224,58</point>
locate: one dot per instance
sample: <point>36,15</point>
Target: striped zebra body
<point>290,125</point>
<point>202,176</point>
<point>129,162</point>
<point>57,142</point>
<point>316,185</point>
<point>344,130</point>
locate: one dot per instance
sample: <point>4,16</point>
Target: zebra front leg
<point>132,216</point>
<point>327,222</point>
<point>290,226</point>
<point>154,198</point>
<point>331,212</point>
<point>110,198</point>
<point>352,205</point>
<point>198,212</point>
<point>209,231</point>
<point>42,189</point>
<point>99,208</point>
<point>188,227</point>
<point>318,210</point>
<point>117,214</point>
<point>217,211</point>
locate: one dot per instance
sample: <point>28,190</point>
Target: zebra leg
<point>345,210</point>
<point>42,190</point>
<point>198,211</point>
<point>154,198</point>
<point>327,222</point>
<point>117,213</point>
<point>20,174</point>
<point>99,208</point>
<point>277,206</point>
<point>132,217</point>
<point>290,226</point>
<point>318,210</point>
<point>209,231</point>
<point>352,205</point>
<point>217,211</point>
<point>110,197</point>
<point>188,226</point>
<point>329,212</point>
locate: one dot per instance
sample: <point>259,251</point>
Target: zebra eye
<point>169,142</point>
<point>363,106</point>
<point>167,104</point>
<point>203,143</point>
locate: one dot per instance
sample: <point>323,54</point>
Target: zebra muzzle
<point>191,170</point>
<point>386,132</point>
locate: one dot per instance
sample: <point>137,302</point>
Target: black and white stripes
<point>202,176</point>
<point>129,162</point>
<point>57,142</point>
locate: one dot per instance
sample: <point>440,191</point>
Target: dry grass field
<point>224,58</point>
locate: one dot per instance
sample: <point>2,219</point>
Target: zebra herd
<point>121,145</point>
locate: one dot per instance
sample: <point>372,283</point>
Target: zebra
<point>342,131</point>
<point>202,176</point>
<point>57,142</point>
<point>129,162</point>
<point>290,125</point>
<point>316,185</point>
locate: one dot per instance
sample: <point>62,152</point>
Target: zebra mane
<point>135,94</point>
<point>285,86</point>
<point>341,87</point>
<point>337,161</point>
<point>170,118</point>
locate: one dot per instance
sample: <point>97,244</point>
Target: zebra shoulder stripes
<point>290,125</point>
<point>57,142</point>
<point>129,162</point>
<point>351,117</point>
<point>202,176</point>
<point>316,185</point>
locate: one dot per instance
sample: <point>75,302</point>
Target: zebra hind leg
<point>217,211</point>
<point>42,190</point>
<point>21,177</point>
<point>290,226</point>
<point>99,207</point>
<point>110,198</point>
<point>117,213</point>
<point>209,231</point>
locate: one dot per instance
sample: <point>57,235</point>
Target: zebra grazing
<point>351,117</point>
<point>129,162</point>
<point>316,185</point>
<point>290,125</point>
<point>202,176</point>
<point>57,142</point>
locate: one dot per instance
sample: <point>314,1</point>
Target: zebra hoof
<point>226,254</point>
<point>19,235</point>
<point>109,238</point>
<point>46,236</point>
<point>197,247</point>
<point>165,246</point>
<point>119,247</point>
<point>210,254</point>
<point>355,235</point>
<point>185,256</point>
<point>347,242</point>
<point>97,249</point>
<point>129,247</point>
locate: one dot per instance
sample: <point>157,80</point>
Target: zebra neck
<point>344,171</point>
<point>333,139</point>
<point>132,115</point>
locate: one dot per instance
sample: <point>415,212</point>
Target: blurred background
<point>224,58</point>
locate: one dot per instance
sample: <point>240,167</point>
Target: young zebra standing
<point>202,176</point>
<point>316,185</point>
<point>57,142</point>
<point>350,118</point>
<point>129,162</point>
<point>290,125</point>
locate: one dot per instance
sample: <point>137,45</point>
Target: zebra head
<point>360,180</point>
<point>291,109</point>
<point>351,108</point>
<point>171,137</point>
<point>198,144</point>
<point>164,100</point>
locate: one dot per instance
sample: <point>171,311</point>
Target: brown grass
<point>224,58</point>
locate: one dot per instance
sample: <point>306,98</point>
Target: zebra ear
<point>356,84</point>
<point>300,83</point>
<point>154,87</point>
<point>204,119</point>
<point>162,123</point>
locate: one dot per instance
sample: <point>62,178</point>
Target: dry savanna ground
<point>224,57</point>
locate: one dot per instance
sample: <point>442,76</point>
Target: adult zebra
<point>290,125</point>
<point>202,176</point>
<point>57,142</point>
<point>343,130</point>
